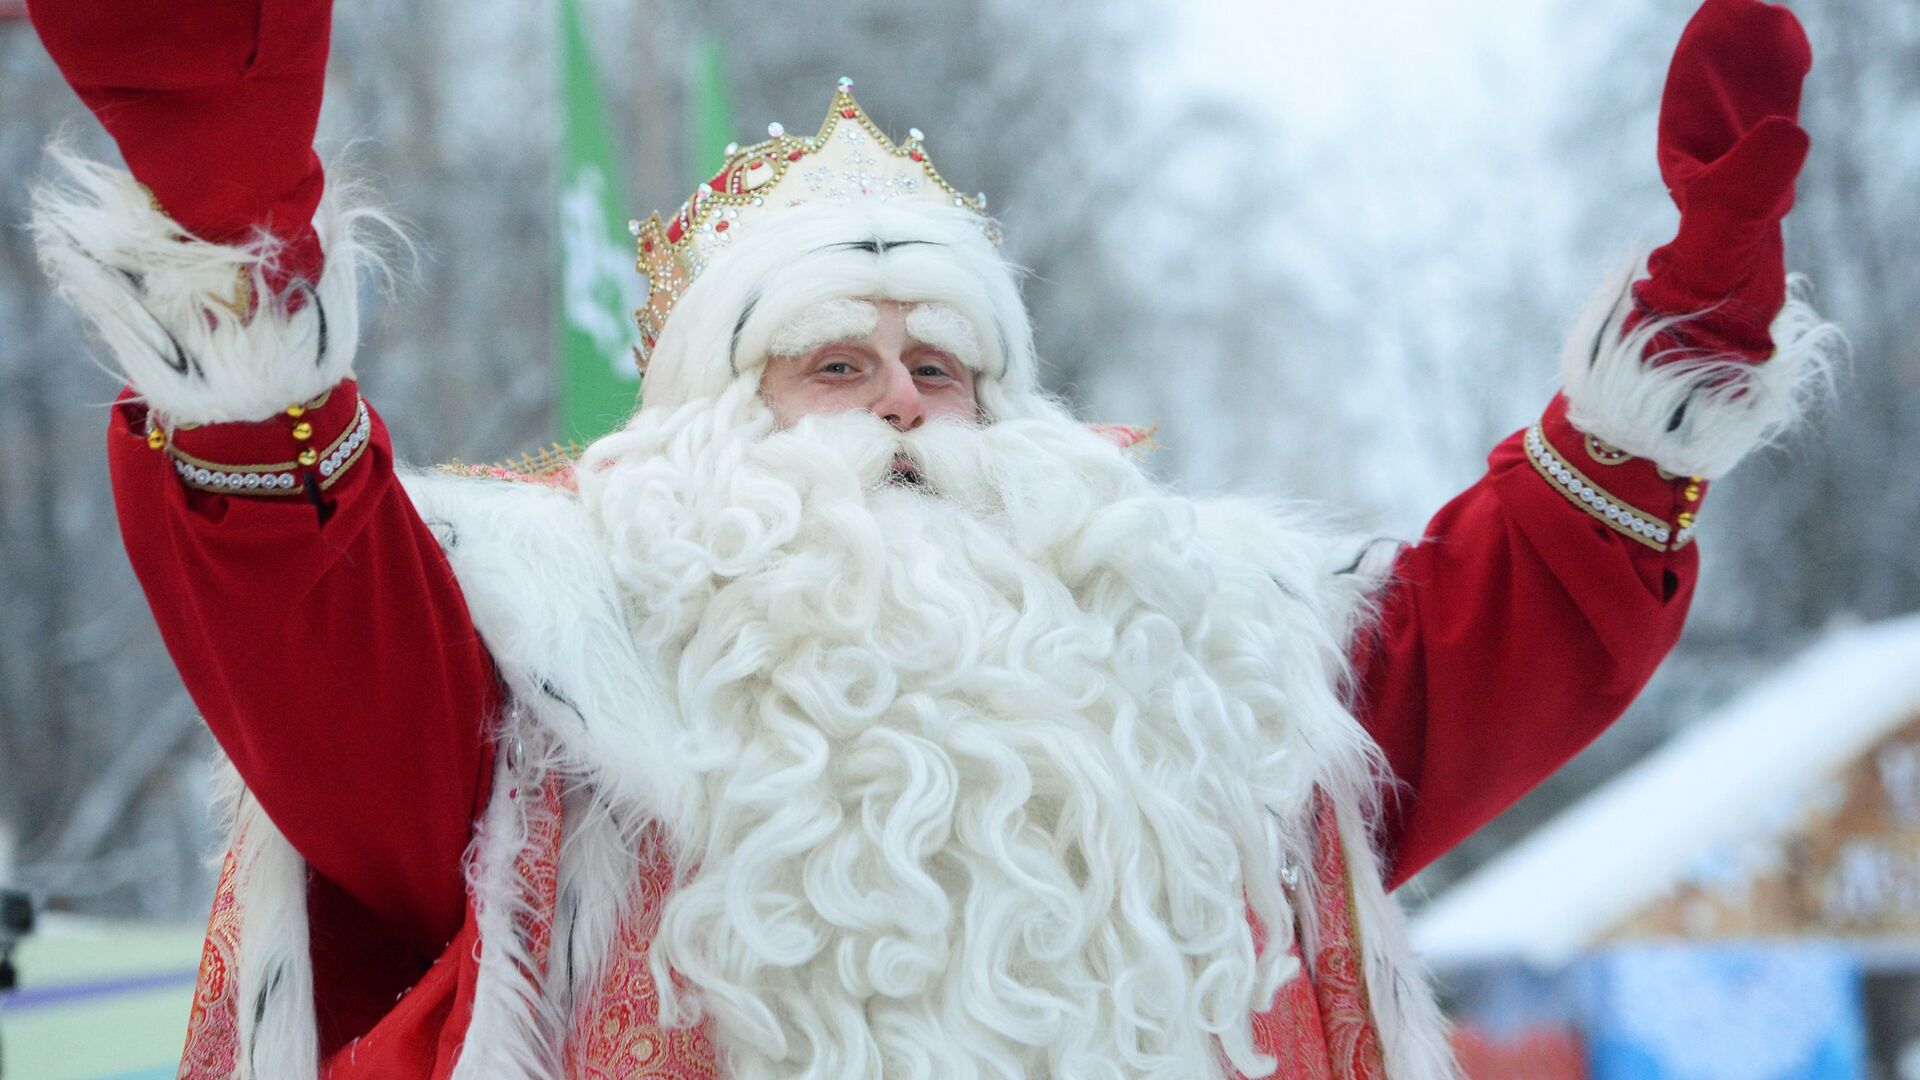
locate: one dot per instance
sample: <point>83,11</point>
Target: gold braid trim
<point>546,464</point>
<point>1601,505</point>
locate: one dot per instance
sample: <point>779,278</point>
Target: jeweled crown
<point>850,156</point>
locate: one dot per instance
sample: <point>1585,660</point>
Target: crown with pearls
<point>849,157</point>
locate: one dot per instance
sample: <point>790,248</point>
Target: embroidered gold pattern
<point>213,1027</point>
<point>1339,982</point>
<point>1321,1024</point>
<point>537,872</point>
<point>552,467</point>
<point>616,1032</point>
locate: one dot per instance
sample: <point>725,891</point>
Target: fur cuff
<point>1695,415</point>
<point>177,313</point>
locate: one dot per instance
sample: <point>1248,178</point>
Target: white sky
<point>1429,131</point>
<point>1324,64</point>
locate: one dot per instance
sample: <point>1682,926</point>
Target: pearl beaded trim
<point>347,451</point>
<point>1595,500</point>
<point>238,481</point>
<point>282,478</point>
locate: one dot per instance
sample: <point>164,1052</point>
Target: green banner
<point>599,288</point>
<point>711,120</point>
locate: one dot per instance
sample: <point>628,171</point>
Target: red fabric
<point>213,104</point>
<point>331,652</point>
<point>1512,635</point>
<point>1729,151</point>
<point>420,1034</point>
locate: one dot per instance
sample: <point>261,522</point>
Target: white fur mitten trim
<point>1694,416</point>
<point>173,309</point>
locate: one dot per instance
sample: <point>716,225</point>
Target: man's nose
<point>899,402</point>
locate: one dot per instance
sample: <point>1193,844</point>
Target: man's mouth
<point>904,471</point>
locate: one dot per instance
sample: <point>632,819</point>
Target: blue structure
<point>1786,1011</point>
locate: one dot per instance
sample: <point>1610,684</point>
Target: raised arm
<point>1540,601</point>
<point>310,612</point>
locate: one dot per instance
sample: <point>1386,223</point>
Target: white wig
<point>908,250</point>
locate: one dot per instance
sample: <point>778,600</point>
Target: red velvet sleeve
<point>1525,621</point>
<point>319,629</point>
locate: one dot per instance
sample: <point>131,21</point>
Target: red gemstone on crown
<point>796,155</point>
<point>917,155</point>
<point>646,245</point>
<point>849,113</point>
<point>721,226</point>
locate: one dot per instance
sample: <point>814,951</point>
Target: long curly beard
<point>994,764</point>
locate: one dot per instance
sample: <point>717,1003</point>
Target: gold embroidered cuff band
<point>280,478</point>
<point>1615,513</point>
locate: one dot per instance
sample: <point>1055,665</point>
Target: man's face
<point>886,370</point>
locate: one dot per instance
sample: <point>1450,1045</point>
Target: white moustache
<point>981,467</point>
<point>946,458</point>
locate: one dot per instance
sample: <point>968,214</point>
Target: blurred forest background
<point>1332,265</point>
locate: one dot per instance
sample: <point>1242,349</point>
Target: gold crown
<point>849,157</point>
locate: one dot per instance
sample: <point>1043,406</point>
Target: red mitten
<point>1729,151</point>
<point>213,104</point>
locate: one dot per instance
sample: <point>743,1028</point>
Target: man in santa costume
<point>853,711</point>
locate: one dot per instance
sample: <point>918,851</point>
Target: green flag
<point>711,120</point>
<point>599,287</point>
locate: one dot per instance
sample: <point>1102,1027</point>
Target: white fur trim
<point>164,302</point>
<point>600,859</point>
<point>825,323</point>
<point>278,1037</point>
<point>514,1033</point>
<point>537,585</point>
<point>1695,416</point>
<point>723,327</point>
<point>947,330</point>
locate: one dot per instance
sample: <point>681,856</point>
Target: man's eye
<point>932,371</point>
<point>836,367</point>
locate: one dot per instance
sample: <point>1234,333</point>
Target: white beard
<point>991,769</point>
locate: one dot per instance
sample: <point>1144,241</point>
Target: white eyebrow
<point>825,323</point>
<point>947,330</point>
